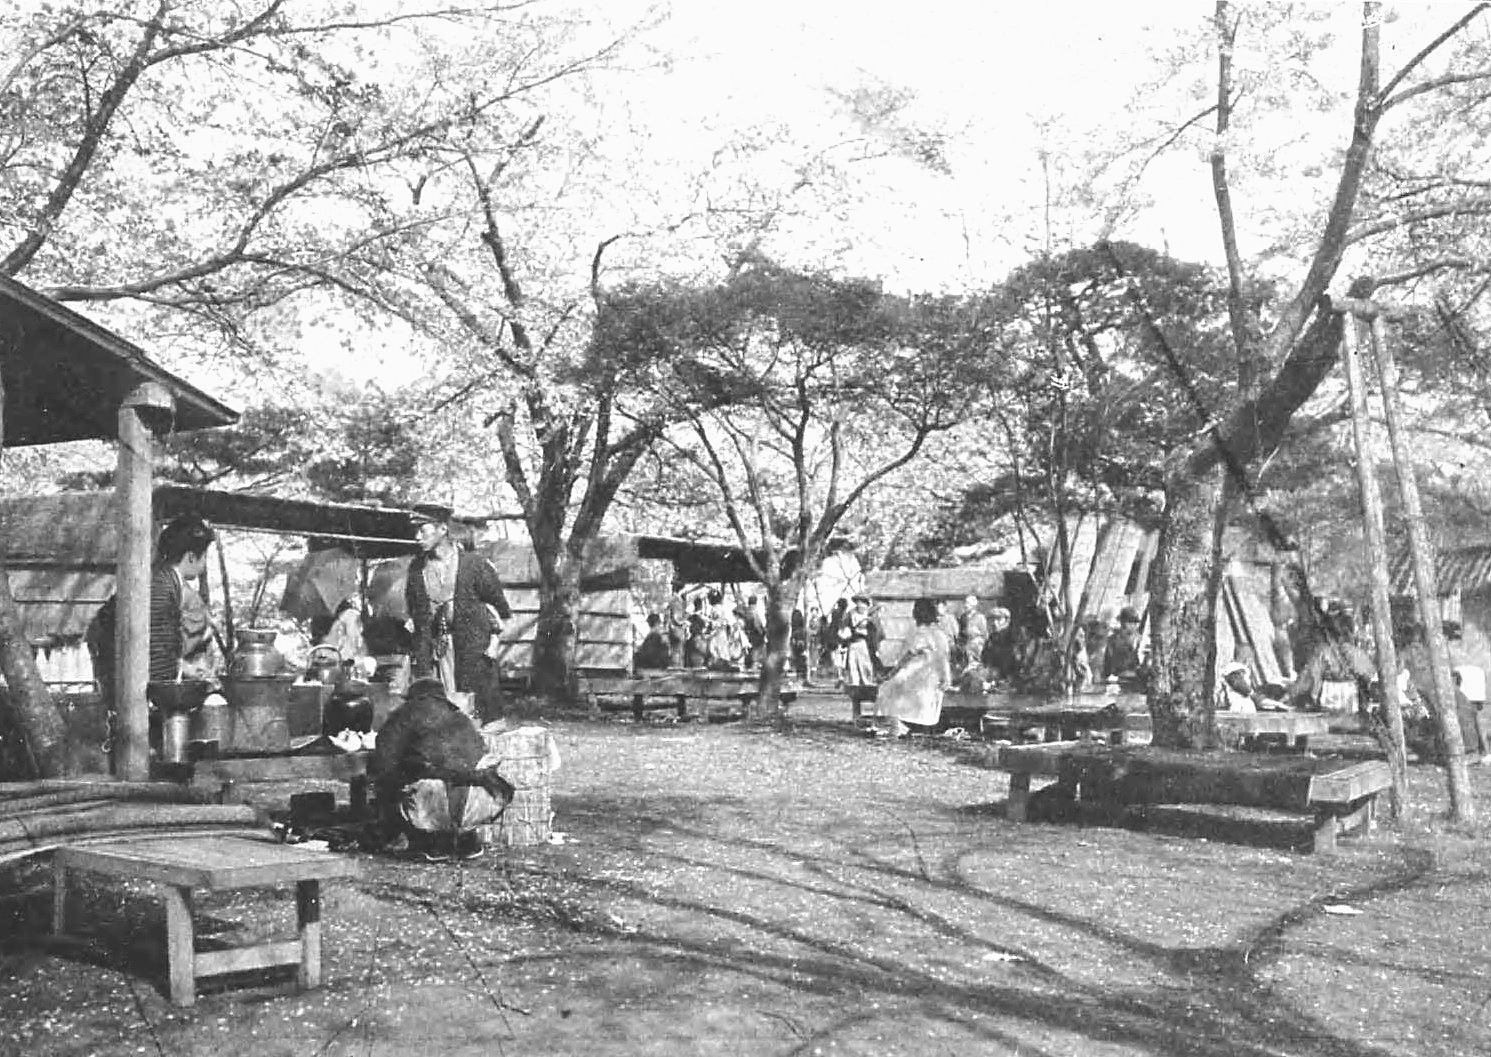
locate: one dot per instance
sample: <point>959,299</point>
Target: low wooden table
<point>219,775</point>
<point>180,864</point>
<point>1340,795</point>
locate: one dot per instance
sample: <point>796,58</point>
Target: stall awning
<point>65,376</point>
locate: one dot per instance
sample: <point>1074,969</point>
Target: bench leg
<point>1361,817</point>
<point>308,914</point>
<point>181,951</point>
<point>1019,800</point>
<point>357,796</point>
<point>1324,832</point>
<point>59,897</point>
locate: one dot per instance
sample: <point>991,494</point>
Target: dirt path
<point>730,892</point>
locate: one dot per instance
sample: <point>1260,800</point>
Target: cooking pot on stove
<point>256,657</point>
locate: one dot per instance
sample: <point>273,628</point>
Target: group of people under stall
<point>434,779</point>
<point>710,632</point>
<point>971,650</point>
<point>1333,669</point>
<point>974,651</point>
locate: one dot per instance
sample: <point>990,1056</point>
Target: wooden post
<point>1377,561</point>
<point>149,405</point>
<point>181,945</point>
<point>1462,806</point>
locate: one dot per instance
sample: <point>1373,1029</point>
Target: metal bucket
<point>212,726</point>
<point>259,711</point>
<point>175,733</point>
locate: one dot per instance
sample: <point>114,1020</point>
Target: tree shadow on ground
<point>1211,1004</point>
<point>1246,827</point>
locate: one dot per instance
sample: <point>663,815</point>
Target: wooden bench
<point>181,864</point>
<point>1340,796</point>
<point>1027,761</point>
<point>675,691</point>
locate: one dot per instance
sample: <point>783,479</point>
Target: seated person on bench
<point>428,775</point>
<point>1236,692</point>
<point>654,651</point>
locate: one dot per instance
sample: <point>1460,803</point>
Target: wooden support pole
<point>1377,561</point>
<point>1365,309</point>
<point>1422,553</point>
<point>149,405</point>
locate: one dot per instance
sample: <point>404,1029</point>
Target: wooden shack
<point>625,577</point>
<point>616,587</point>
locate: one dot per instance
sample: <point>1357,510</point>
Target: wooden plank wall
<point>604,640</point>
<point>1124,543</point>
<point>1250,584</point>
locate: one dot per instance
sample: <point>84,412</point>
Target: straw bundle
<point>524,758</point>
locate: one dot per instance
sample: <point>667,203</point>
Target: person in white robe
<point>913,691</point>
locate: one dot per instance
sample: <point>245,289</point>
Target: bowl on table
<point>177,695</point>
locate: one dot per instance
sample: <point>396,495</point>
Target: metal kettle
<point>325,664</point>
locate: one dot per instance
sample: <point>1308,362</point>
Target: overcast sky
<point>995,74</point>
<point>991,73</point>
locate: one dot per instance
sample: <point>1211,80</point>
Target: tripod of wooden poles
<point>1389,730</point>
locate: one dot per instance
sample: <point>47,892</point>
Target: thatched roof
<point>72,530</point>
<point>1461,569</point>
<point>66,377</point>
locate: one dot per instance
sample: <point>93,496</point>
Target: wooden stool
<point>214,863</point>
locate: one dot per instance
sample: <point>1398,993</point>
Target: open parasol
<point>324,580</point>
<point>386,590</point>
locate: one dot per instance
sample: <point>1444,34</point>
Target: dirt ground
<point>724,891</point>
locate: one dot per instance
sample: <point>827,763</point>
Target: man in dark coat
<point>448,594</point>
<point>424,770</point>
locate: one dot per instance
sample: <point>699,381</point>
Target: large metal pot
<point>256,657</point>
<point>259,713</point>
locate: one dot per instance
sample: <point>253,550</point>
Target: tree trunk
<point>1182,627</point>
<point>780,601</point>
<point>31,708</point>
<point>555,632</point>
